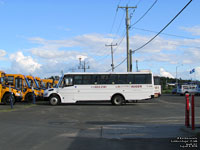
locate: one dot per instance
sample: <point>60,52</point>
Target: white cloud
<point>197,73</point>
<point>195,30</point>
<point>157,45</point>
<point>54,54</point>
<point>81,57</point>
<point>164,73</point>
<point>23,64</point>
<point>92,43</point>
<point>2,53</point>
<point>92,46</point>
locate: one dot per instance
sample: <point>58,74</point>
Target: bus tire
<point>54,100</point>
<point>117,100</point>
<point>29,97</point>
<point>6,99</point>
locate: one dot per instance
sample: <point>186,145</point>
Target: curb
<point>189,130</point>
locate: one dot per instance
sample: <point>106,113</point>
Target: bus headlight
<point>18,94</point>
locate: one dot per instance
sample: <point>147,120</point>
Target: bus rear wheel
<point>117,100</point>
<point>54,100</point>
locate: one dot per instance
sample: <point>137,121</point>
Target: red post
<point>193,113</point>
<point>187,109</point>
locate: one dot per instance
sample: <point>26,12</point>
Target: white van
<point>187,88</point>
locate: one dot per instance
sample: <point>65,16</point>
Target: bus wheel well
<point>54,94</point>
<point>118,94</point>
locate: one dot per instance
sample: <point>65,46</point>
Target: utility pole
<point>131,65</point>
<point>111,45</point>
<point>83,66</point>
<point>137,65</point>
<point>127,35</point>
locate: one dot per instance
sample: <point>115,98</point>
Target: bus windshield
<point>27,82</point>
<point>3,82</point>
<point>60,81</point>
<point>37,85</point>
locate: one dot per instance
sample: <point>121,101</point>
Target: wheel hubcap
<point>117,101</point>
<point>54,100</point>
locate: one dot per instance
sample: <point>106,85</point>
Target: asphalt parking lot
<point>149,124</point>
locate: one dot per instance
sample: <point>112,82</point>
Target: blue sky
<point>44,37</point>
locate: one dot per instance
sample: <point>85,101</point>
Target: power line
<point>138,2</point>
<point>118,64</point>
<point>144,14</point>
<point>118,44</point>
<point>114,17</point>
<point>120,23</point>
<point>155,35</point>
<point>120,41</point>
<point>163,28</point>
<point>186,46</point>
<point>174,35</point>
<point>123,35</point>
<point>110,29</point>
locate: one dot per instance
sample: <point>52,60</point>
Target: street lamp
<point>176,73</point>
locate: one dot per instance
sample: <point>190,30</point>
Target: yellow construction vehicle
<point>7,92</point>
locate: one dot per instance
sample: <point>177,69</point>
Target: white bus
<point>114,87</point>
<point>157,86</point>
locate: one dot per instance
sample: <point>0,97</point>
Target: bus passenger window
<point>68,81</point>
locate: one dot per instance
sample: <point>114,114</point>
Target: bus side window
<point>68,81</point>
<point>77,79</point>
<point>86,79</point>
<point>112,79</point>
<point>10,80</point>
<point>122,79</point>
<point>93,79</point>
<point>148,79</point>
<point>130,78</point>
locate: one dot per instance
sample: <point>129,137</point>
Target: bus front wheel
<point>54,100</point>
<point>117,100</point>
<point>7,97</point>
